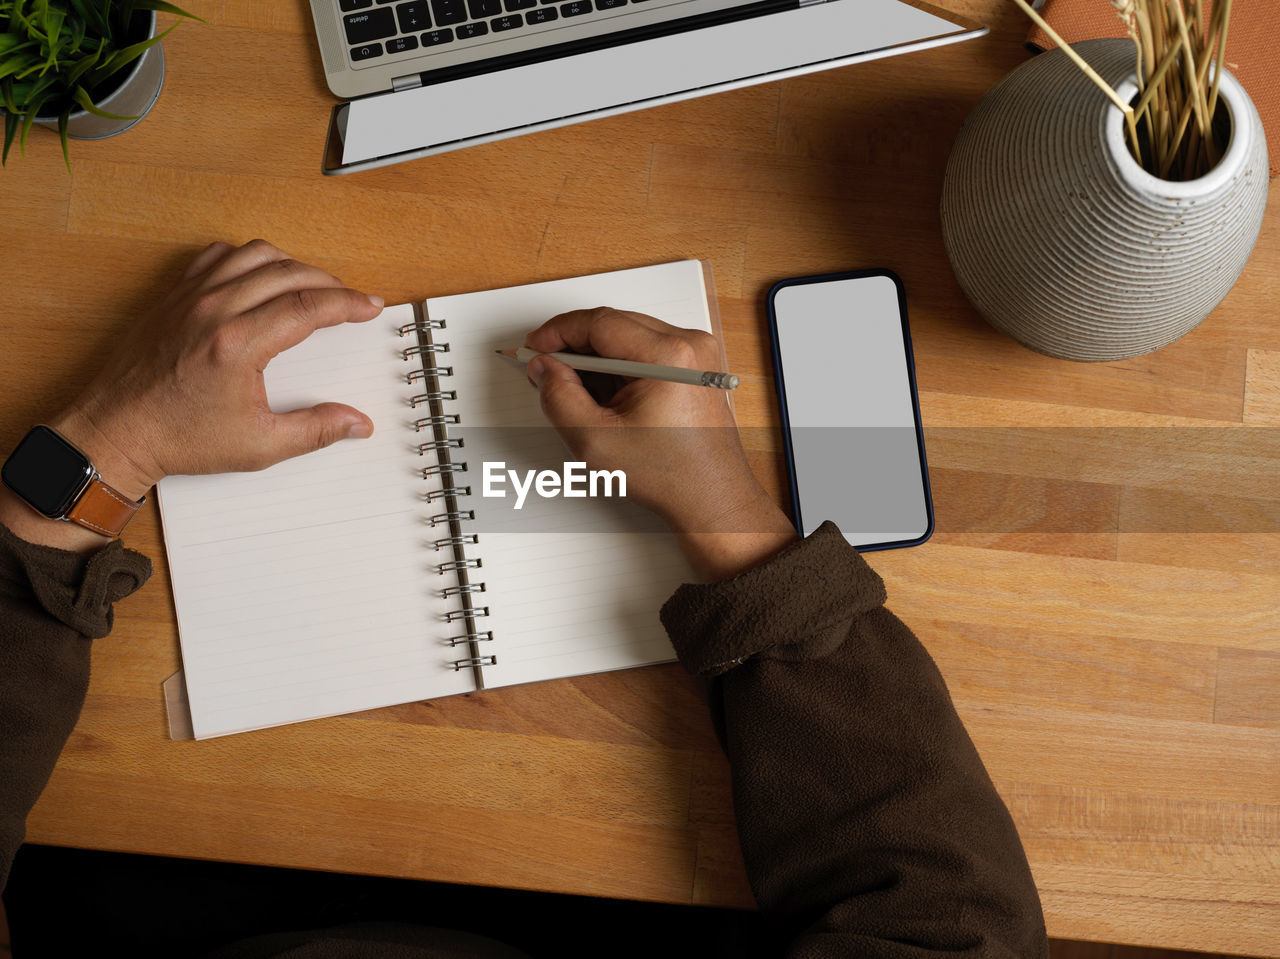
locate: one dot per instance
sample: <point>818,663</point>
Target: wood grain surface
<point>1102,594</point>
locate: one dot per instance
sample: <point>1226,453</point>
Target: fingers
<point>565,401</point>
<point>307,430</point>
<point>271,280</point>
<point>257,266</point>
<point>236,279</point>
<point>273,301</point>
<point>617,334</point>
<point>291,317</point>
<point>241,260</point>
<point>205,260</point>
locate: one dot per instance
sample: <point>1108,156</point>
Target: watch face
<point>47,472</point>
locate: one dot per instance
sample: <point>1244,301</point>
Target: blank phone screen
<point>855,453</point>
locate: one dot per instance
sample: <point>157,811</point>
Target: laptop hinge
<point>406,82</point>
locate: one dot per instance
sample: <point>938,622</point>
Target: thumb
<point>306,430</point>
<point>565,401</point>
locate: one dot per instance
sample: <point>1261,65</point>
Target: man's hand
<point>678,444</point>
<point>183,391</point>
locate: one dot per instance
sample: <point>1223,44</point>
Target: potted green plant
<point>92,68</point>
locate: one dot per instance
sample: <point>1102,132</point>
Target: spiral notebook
<point>375,572</point>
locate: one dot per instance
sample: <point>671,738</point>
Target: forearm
<point>182,393</point>
<point>44,672</point>
<point>868,824</point>
<point>867,819</point>
<point>51,603</point>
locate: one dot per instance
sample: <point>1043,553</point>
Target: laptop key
<point>469,30</point>
<point>366,52</point>
<point>541,15</point>
<point>449,11</point>
<point>610,4</point>
<point>413,16</point>
<point>369,26</point>
<point>347,6</point>
<point>433,38</point>
<point>577,8</point>
<point>506,23</point>
<point>513,5</point>
<point>402,44</point>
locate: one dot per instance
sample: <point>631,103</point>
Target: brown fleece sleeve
<point>52,602</point>
<point>868,823</point>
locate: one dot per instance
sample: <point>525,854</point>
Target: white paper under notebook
<point>373,572</point>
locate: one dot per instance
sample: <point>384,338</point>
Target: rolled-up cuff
<point>78,589</point>
<point>798,605</point>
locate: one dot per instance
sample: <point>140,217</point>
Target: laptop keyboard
<point>377,28</point>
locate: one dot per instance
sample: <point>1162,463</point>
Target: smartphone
<point>850,416</point>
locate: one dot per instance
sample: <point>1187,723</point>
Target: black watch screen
<point>47,472</point>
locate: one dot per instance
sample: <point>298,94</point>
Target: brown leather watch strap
<point>103,510</point>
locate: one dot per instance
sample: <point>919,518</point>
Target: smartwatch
<point>58,481</point>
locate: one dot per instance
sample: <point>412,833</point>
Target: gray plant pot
<point>139,88</point>
<point>1060,239</point>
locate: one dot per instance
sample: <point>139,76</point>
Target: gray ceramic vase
<point>1060,239</point>
<point>139,88</point>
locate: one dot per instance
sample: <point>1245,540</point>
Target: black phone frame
<point>780,385</point>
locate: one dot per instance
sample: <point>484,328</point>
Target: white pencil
<point>649,371</point>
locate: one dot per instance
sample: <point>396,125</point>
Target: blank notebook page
<point>309,589</point>
<point>573,586</point>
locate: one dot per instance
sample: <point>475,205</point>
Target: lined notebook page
<point>573,586</point>
<point>310,589</point>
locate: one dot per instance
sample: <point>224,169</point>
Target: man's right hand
<point>677,444</point>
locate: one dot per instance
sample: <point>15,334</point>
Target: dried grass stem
<point>1175,43</point>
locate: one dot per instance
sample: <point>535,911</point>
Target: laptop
<point>421,77</point>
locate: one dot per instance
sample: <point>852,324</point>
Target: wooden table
<point>1112,642</point>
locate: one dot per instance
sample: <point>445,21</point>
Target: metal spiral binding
<point>459,590</point>
<point>441,419</point>
<point>432,398</point>
<point>485,637</point>
<point>424,374</point>
<point>423,348</point>
<point>449,443</point>
<point>454,515</point>
<point>457,564</point>
<point>474,662</point>
<point>466,539</point>
<point>436,469</point>
<point>420,325</point>
<point>435,397</point>
<point>438,494</point>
